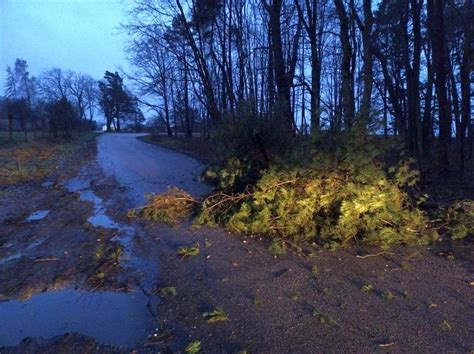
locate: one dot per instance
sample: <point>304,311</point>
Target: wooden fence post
<point>10,126</point>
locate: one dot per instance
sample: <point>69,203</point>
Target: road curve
<point>145,168</point>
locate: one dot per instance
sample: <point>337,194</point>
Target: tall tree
<point>437,39</point>
<point>115,101</point>
<point>348,100</point>
<point>284,69</point>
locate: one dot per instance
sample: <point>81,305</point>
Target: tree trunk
<point>187,117</point>
<point>310,22</point>
<point>281,78</point>
<point>437,38</point>
<point>347,84</point>
<point>465,89</point>
<point>367,57</point>
<point>427,114</point>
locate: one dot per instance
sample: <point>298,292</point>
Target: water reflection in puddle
<point>120,319</point>
<point>126,234</point>
<point>37,215</point>
<point>83,187</point>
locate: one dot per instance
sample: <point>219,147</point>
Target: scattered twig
<point>386,345</point>
<point>376,254</point>
<point>46,259</point>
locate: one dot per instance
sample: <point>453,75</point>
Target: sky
<point>80,35</point>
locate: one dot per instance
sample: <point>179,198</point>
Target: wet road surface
<point>146,168</point>
<point>113,318</point>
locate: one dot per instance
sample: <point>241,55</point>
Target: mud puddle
<point>82,185</point>
<point>125,234</point>
<point>120,319</point>
<point>72,268</point>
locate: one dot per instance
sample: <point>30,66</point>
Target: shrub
<point>334,192</point>
<point>235,174</point>
<point>330,206</point>
<point>460,219</point>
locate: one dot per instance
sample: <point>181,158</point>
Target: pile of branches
<point>169,207</point>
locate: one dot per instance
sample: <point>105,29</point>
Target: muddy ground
<point>357,300</point>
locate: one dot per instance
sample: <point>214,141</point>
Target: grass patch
<point>38,159</point>
<point>18,138</point>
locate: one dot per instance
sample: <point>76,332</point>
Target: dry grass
<point>37,159</point>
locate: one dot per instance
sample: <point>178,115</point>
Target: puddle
<point>120,319</point>
<point>37,215</point>
<point>82,186</point>
<point>146,267</point>
<point>77,184</point>
<point>35,244</point>
<point>125,236</point>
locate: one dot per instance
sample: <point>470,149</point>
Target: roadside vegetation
<point>334,192</point>
<point>37,159</point>
<point>328,121</point>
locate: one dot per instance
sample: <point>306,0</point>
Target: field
<point>22,161</point>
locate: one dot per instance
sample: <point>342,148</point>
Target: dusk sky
<point>80,35</point>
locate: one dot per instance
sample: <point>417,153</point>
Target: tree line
<point>57,102</point>
<point>398,68</point>
<point>60,102</point>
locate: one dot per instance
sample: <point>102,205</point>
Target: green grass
<point>315,271</point>
<point>388,296</point>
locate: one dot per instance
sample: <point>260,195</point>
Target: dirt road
<point>85,257</point>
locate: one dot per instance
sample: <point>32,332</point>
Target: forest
<point>390,68</point>
<point>330,118</point>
